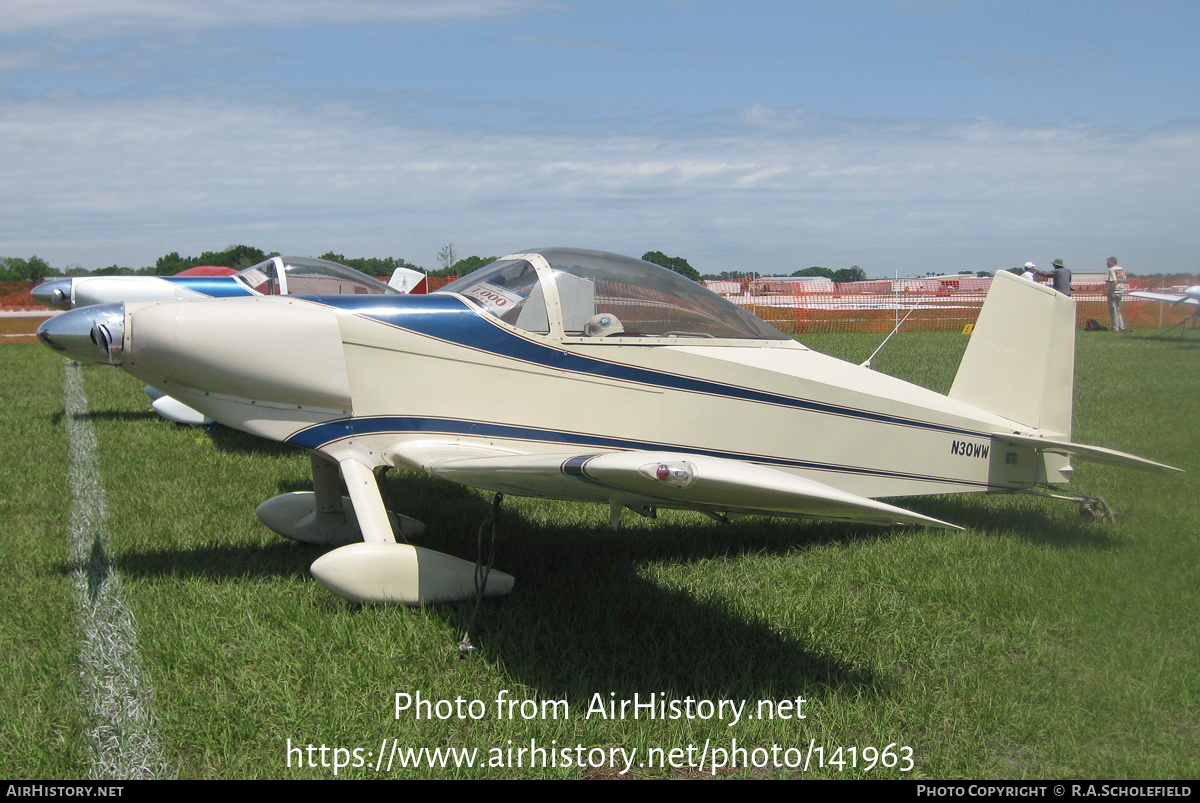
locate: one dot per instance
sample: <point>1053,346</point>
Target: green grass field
<point>1031,645</point>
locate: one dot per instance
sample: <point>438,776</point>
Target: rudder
<point>1020,361</point>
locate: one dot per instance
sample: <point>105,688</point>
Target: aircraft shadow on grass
<point>580,621</point>
<point>125,416</point>
<point>1035,521</point>
<point>1175,341</point>
<point>236,442</point>
<point>584,616</point>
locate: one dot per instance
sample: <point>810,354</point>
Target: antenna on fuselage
<point>867,364</point>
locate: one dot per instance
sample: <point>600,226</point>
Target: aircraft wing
<point>659,479</point>
<point>1168,297</point>
<point>1096,454</point>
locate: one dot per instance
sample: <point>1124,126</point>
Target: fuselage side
<point>438,367</point>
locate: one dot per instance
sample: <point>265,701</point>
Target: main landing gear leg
<point>325,517</point>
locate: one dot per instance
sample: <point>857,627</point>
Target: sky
<point>902,136</point>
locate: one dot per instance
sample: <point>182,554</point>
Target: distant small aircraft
<point>280,275</point>
<point>580,375</point>
<point>1191,297</point>
<point>276,276</point>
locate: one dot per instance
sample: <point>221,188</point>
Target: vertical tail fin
<point>1020,362</point>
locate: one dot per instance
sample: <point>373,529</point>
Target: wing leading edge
<point>1170,298</point>
<point>660,479</point>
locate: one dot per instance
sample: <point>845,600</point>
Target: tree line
<point>239,257</point>
<point>851,274</point>
<point>236,257</point>
<point>36,269</point>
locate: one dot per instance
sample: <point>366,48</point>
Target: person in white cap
<point>1030,272</point>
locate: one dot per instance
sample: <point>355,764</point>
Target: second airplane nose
<point>55,294</point>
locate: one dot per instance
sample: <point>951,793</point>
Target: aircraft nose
<point>55,293</point>
<point>270,349</point>
<point>88,334</point>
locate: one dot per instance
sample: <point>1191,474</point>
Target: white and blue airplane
<point>581,375</point>
<point>278,275</point>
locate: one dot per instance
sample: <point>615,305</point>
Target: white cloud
<point>97,182</point>
<point>88,18</point>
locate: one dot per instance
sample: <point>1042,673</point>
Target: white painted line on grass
<point>124,733</point>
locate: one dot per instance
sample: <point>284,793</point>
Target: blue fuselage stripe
<point>327,433</point>
<point>214,286</point>
<point>452,320</point>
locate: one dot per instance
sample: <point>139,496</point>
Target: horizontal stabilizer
<point>661,479</point>
<point>1096,454</point>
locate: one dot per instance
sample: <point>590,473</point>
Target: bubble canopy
<point>573,293</point>
<point>307,276</point>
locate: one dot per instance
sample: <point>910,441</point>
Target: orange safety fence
<point>438,282</point>
<point>15,296</point>
<point>938,304</point>
<point>943,303</point>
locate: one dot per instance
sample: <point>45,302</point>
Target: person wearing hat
<point>1030,272</point>
<point>1115,287</point>
<point>1061,276</point>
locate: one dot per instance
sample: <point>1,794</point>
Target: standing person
<point>1115,287</point>
<point>1061,276</point>
<point>1030,272</point>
